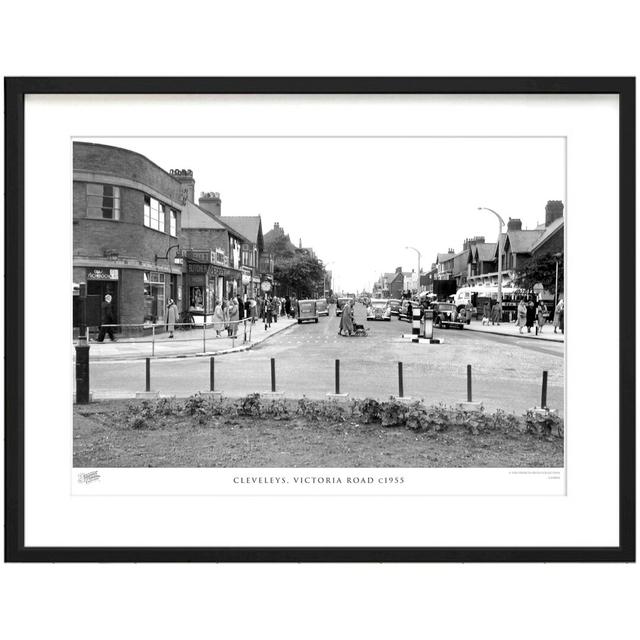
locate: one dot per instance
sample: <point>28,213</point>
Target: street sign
<point>538,288</point>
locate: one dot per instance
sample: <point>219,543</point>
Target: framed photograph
<point>320,319</point>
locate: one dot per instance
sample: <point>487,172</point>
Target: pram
<point>360,330</point>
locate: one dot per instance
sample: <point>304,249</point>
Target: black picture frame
<point>15,91</point>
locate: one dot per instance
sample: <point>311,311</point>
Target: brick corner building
<point>126,224</point>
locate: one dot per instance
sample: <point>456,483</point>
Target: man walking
<point>107,318</point>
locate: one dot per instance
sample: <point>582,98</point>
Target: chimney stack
<point>210,201</point>
<point>187,184</point>
<point>553,211</point>
<point>514,224</point>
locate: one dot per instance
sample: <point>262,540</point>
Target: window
<point>103,201</point>
<point>155,216</point>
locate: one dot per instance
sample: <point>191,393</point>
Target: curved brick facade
<point>124,257</point>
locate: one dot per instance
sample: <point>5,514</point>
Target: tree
<point>300,274</point>
<point>541,269</point>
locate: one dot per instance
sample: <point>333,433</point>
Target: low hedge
<point>417,416</point>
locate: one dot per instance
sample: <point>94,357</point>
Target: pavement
<point>510,329</point>
<point>190,343</point>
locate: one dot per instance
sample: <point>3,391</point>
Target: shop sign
<point>102,274</point>
<point>196,267</point>
<point>197,255</point>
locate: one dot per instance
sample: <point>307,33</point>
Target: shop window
<point>103,201</point>
<point>154,296</point>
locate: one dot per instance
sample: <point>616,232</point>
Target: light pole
<point>501,224</point>
<point>419,256</point>
<point>324,279</point>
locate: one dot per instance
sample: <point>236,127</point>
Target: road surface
<point>507,370</point>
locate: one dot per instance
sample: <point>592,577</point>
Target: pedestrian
<point>233,317</point>
<point>218,319</point>
<point>294,306</point>
<point>275,305</point>
<point>542,313</point>
<point>171,317</point>
<point>486,314</point>
<point>468,312</point>
<point>107,318</point>
<point>531,315</point>
<point>496,314</point>
<point>240,308</point>
<point>558,317</point>
<point>247,309</point>
<point>266,312</point>
<point>522,315</point>
<point>346,321</point>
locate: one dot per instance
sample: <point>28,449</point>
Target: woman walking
<point>266,312</point>
<point>218,319</point>
<point>346,321</point>
<point>542,312</point>
<point>234,316</point>
<point>531,315</point>
<point>558,317</point>
<point>171,317</point>
<point>496,314</point>
<point>522,315</point>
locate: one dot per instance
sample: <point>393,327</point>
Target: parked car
<point>403,313</point>
<point>445,315</point>
<point>322,307</point>
<point>340,303</point>
<point>379,309</point>
<point>395,306</point>
<point>307,310</point>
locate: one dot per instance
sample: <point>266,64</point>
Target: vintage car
<point>322,307</point>
<point>445,315</point>
<point>379,309</point>
<point>403,313</point>
<point>307,310</point>
<point>340,303</point>
<point>395,306</point>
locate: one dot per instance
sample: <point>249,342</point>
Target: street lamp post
<point>324,279</point>
<point>501,224</point>
<point>419,256</point>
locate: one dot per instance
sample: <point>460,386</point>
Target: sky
<point>359,202</point>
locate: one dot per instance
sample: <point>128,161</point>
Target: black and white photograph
<point>319,302</point>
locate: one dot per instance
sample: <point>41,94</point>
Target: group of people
<point>532,314</point>
<point>229,313</point>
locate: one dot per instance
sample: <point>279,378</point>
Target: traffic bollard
<point>212,374</point>
<point>337,377</point>
<point>400,382</point>
<point>543,400</point>
<point>148,375</point>
<point>83,395</point>
<point>469,394</point>
<point>273,375</point>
